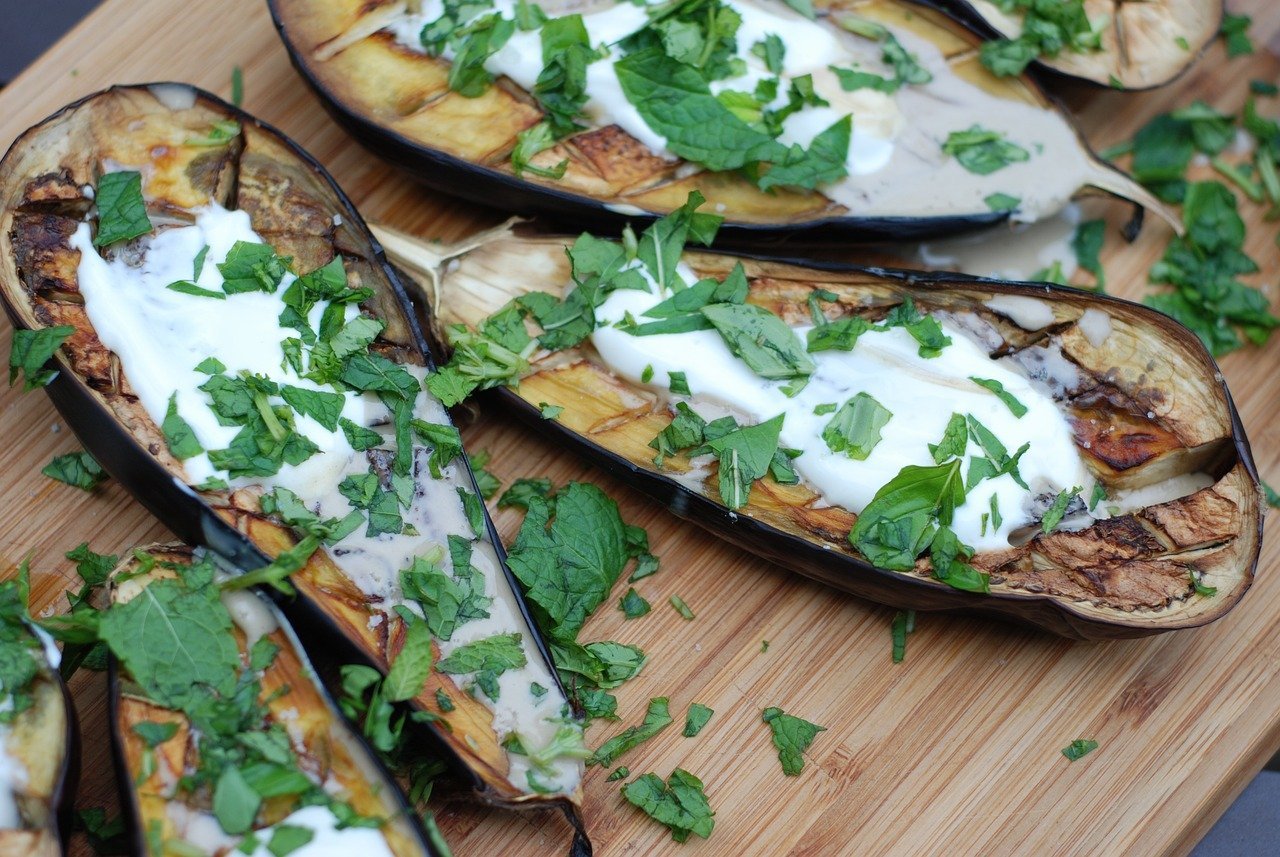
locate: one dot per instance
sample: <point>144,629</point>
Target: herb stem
<point>1236,176</point>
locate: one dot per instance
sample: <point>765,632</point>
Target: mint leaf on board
<point>656,718</point>
<point>904,622</point>
<point>792,736</point>
<point>1079,748</point>
<point>31,350</point>
<point>855,429</point>
<point>680,804</point>
<point>569,552</point>
<point>1235,33</point>
<point>77,469</point>
<point>633,605</point>
<point>122,213</point>
<point>680,607</point>
<point>697,717</point>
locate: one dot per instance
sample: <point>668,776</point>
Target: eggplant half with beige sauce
<point>226,741</point>
<point>1130,44</point>
<point>593,113</point>
<point>39,750</point>
<point>232,346</point>
<point>929,441</point>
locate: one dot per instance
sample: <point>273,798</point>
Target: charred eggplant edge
<point>182,509</point>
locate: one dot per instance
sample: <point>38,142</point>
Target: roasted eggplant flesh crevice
<point>47,180</point>
<point>34,759</point>
<point>166,753</point>
<point>1148,413</point>
<point>1141,43</point>
<point>366,63</point>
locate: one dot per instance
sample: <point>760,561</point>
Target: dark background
<point>1251,826</point>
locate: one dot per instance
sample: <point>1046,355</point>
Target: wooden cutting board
<point>954,751</point>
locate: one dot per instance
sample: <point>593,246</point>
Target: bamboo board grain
<point>955,751</point>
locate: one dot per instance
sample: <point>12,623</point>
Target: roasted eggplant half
<point>1123,44</point>
<point>207,289</point>
<point>225,739</point>
<point>38,741</point>
<point>606,111</point>
<point>1058,457</point>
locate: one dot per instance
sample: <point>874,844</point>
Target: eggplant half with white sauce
<point>39,753</point>
<point>226,741</point>
<point>1130,44</point>
<point>232,346</point>
<point>928,441</point>
<point>874,119</point>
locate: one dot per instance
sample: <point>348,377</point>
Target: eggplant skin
<point>46,740</point>
<point>327,747</point>
<point>1155,390</point>
<point>1139,44</point>
<point>398,105</point>
<point>295,206</point>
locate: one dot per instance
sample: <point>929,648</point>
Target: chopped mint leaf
<point>1263,88</point>
<point>904,622</point>
<point>31,350</point>
<point>1002,202</point>
<point>287,838</point>
<point>855,429</point>
<point>678,383</point>
<point>656,718</point>
<point>1053,516</point>
<point>1008,398</point>
<point>324,408</point>
<point>443,702</point>
<point>77,469</point>
<point>791,736</point>
<point>154,734</point>
<point>683,609</point>
<point>761,340</point>
<point>488,484</point>
<point>955,439</point>
<point>252,267</point>
<point>1086,243</point>
<point>1079,748</point>
<point>187,287</point>
<point>1198,584</point>
<point>996,518</point>
<point>178,434</point>
<point>825,408</point>
<point>122,213</point>
<point>522,491</point>
<point>633,604</point>
<point>981,151</point>
<point>550,412</point>
<point>1099,494</point>
<point>1235,34</point>
<point>680,804</point>
<point>495,654</point>
<point>647,375</point>
<point>764,646</point>
<point>412,665</point>
<point>745,455</point>
<point>235,803</point>
<point>619,773</point>
<point>696,718</point>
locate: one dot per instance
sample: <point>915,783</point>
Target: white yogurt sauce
<point>921,393</point>
<point>896,164</point>
<point>328,840</point>
<point>160,335</point>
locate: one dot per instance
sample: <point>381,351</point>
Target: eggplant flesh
<point>1144,43</point>
<point>38,764</point>
<point>327,751</point>
<point>397,101</point>
<point>296,208</point>
<point>1146,405</point>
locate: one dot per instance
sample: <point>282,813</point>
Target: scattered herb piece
<point>981,151</point>
<point>656,718</point>
<point>791,736</point>
<point>680,804</point>
<point>122,213</point>
<point>77,469</point>
<point>633,604</point>
<point>1053,516</point>
<point>683,609</point>
<point>1002,394</point>
<point>696,718</point>
<point>1079,748</point>
<point>31,350</point>
<point>904,622</point>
